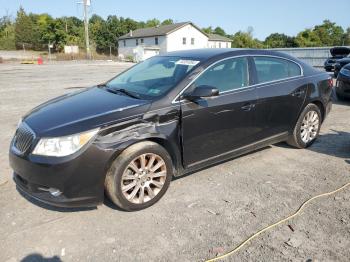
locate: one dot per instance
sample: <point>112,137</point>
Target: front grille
<point>24,138</point>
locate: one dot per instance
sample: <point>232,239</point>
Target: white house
<point>146,42</point>
<point>218,41</point>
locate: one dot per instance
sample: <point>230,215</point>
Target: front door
<point>212,127</point>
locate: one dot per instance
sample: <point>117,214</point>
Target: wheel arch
<point>173,151</point>
<point>321,106</point>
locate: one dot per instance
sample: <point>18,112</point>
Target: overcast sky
<point>265,16</point>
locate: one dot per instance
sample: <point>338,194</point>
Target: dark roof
<point>208,53</point>
<point>215,37</point>
<point>202,54</point>
<point>157,31</point>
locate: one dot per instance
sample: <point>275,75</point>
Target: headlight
<point>345,72</point>
<point>63,146</point>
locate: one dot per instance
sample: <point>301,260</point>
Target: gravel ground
<point>201,215</point>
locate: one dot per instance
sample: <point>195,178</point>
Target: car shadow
<point>336,143</point>
<point>35,257</point>
<point>53,208</point>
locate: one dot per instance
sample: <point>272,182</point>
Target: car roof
<point>208,53</point>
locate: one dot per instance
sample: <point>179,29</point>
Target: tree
<point>346,37</point>
<point>326,34</point>
<point>277,40</point>
<point>329,33</point>
<point>208,30</point>
<point>219,31</point>
<point>308,38</point>
<point>23,29</point>
<point>245,40</point>
<point>152,23</point>
<point>7,33</point>
<point>168,22</point>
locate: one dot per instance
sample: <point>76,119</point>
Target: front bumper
<point>79,177</point>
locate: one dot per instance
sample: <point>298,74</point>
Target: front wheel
<point>139,176</point>
<point>307,127</point>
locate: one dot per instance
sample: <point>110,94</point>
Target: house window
<point>219,45</point>
<point>137,42</point>
<point>124,43</point>
<point>156,40</point>
<point>227,45</point>
<point>184,41</point>
<point>192,41</point>
<point>141,40</point>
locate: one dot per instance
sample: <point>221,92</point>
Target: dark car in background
<point>340,64</point>
<point>337,54</point>
<point>167,116</point>
<point>342,87</point>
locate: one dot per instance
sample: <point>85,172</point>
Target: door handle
<point>298,93</point>
<point>248,107</point>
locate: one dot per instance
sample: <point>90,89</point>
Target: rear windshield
<point>153,77</point>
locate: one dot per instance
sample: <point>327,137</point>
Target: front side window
<point>153,77</point>
<point>192,41</point>
<point>271,69</point>
<point>142,40</point>
<point>184,40</point>
<point>137,42</point>
<point>156,41</point>
<point>124,42</point>
<point>227,75</point>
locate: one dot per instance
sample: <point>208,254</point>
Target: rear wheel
<point>139,177</point>
<point>307,127</point>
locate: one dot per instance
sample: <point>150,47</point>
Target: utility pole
<point>86,24</point>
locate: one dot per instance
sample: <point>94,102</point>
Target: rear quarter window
<point>271,69</point>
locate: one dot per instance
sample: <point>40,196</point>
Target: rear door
<point>281,92</point>
<point>212,127</point>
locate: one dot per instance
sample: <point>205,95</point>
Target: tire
<point>128,181</point>
<point>297,139</point>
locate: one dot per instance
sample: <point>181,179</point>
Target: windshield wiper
<point>123,91</point>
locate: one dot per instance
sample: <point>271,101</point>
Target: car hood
<point>339,51</point>
<point>81,111</point>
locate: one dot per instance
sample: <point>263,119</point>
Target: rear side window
<point>271,69</point>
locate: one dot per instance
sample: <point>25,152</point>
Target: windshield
<point>153,77</point>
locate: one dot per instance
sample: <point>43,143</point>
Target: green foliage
<point>219,31</point>
<point>346,38</point>
<point>7,33</point>
<point>208,30</point>
<point>168,22</point>
<point>326,34</point>
<point>23,29</point>
<point>245,40</point>
<point>152,23</point>
<point>36,31</point>
<point>277,40</point>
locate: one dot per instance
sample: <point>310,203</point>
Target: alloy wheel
<point>143,178</point>
<point>309,126</point>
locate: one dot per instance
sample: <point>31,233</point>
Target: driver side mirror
<point>202,91</point>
